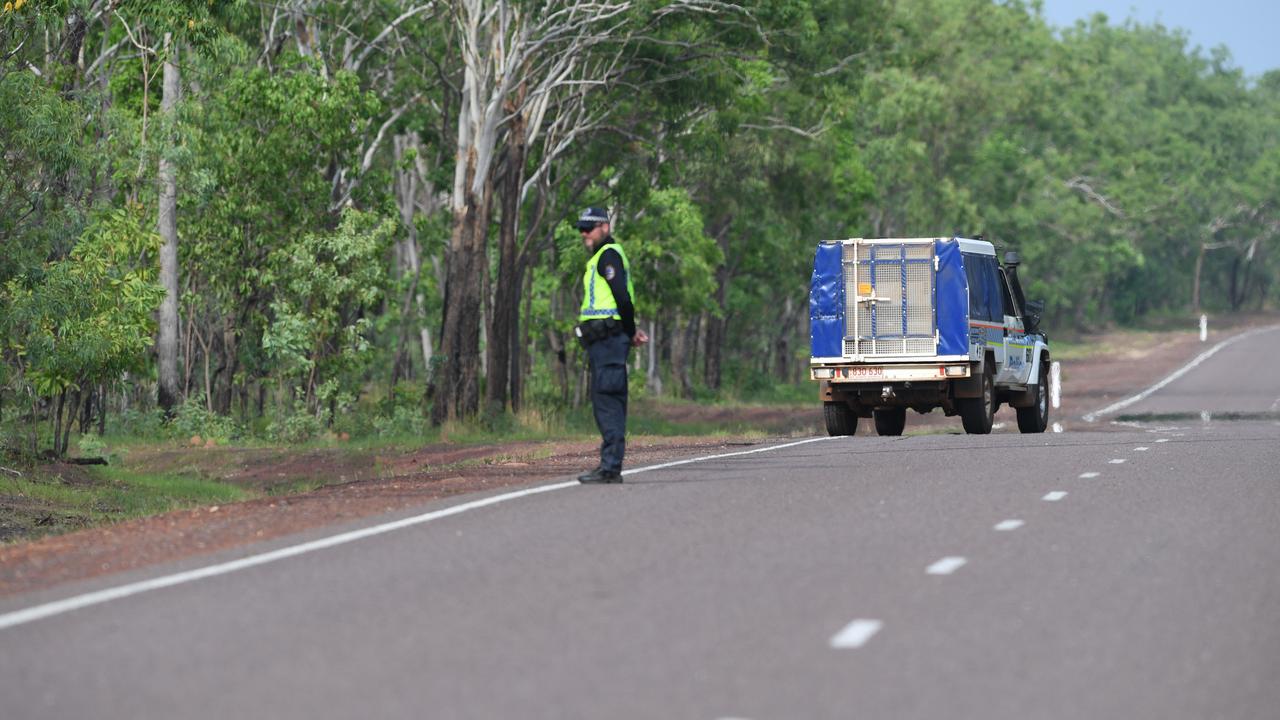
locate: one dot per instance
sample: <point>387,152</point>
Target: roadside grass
<point>47,500</point>
<point>1130,342</point>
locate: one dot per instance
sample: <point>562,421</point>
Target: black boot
<point>600,476</point>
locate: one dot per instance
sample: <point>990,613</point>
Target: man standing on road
<point>607,329</point>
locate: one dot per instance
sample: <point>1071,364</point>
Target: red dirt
<point>361,484</point>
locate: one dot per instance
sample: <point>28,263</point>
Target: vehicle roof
<point>967,245</point>
<point>976,247</point>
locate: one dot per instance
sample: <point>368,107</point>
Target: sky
<point>1249,28</point>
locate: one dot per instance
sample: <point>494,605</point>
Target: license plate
<point>860,372</point>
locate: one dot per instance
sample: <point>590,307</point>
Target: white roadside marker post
<point>1055,384</point>
<point>1204,327</point>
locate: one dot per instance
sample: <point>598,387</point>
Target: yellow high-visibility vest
<point>597,297</point>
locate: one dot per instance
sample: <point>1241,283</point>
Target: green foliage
<point>195,419</point>
<point>44,173</point>
<point>88,318</point>
<point>403,422</point>
<point>138,423</point>
<point>323,283</point>
<point>295,426</point>
<point>673,260</point>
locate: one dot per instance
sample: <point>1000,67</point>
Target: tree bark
<point>231,361</point>
<point>1195,281</point>
<point>410,183</point>
<point>506,297</point>
<point>782,342</point>
<point>713,359</point>
<point>458,387</point>
<point>168,393</point>
<point>680,356</point>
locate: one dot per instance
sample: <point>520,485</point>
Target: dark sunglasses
<point>587,230</point>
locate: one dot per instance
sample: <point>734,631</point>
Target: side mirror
<point>1034,310</point>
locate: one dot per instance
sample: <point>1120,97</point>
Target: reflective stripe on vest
<point>597,297</point>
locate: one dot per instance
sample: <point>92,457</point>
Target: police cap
<point>591,217</point>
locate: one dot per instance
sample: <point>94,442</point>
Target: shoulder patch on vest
<point>609,272</point>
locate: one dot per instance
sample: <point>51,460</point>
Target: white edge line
<point>1174,376</point>
<point>717,457</point>
<point>856,634</point>
<point>57,607</point>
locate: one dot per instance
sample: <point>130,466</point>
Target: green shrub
<point>138,423</point>
<point>296,427</point>
<point>402,421</point>
<point>195,418</point>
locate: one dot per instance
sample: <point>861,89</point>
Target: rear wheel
<point>890,421</point>
<point>1035,419</point>
<point>840,418</point>
<point>978,413</point>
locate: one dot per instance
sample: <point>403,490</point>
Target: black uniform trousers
<point>608,359</point>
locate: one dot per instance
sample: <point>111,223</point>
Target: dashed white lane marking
<point>1088,475</point>
<point>1007,525</point>
<point>38,612</point>
<point>1162,440</point>
<point>1116,461</point>
<point>1175,375</point>
<point>946,566</point>
<point>1054,496</point>
<point>855,634</point>
<point>1141,449</point>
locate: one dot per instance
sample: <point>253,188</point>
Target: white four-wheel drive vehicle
<point>924,323</point>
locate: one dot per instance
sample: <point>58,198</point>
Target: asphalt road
<point>1129,572</point>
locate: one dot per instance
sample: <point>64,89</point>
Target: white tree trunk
<point>167,338</point>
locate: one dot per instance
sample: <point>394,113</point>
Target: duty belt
<point>591,331</point>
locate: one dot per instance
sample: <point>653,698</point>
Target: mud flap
<point>970,387</point>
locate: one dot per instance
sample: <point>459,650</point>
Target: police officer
<point>607,328</point>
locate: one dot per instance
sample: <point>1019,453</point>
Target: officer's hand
<point>640,338</point>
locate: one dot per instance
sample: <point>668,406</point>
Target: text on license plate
<point>860,372</point>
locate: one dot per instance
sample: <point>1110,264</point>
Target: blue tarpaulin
<point>826,302</point>
<point>952,301</point>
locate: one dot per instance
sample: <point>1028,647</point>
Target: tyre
<point>890,421</point>
<point>839,418</point>
<point>978,413</point>
<point>1035,419</point>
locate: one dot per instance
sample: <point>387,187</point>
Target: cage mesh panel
<point>888,285</point>
<point>920,252</point>
<point>919,298</point>
<point>863,312</point>
<point>890,346</point>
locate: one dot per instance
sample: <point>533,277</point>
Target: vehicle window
<point>1009,307</point>
<point>982,273</point>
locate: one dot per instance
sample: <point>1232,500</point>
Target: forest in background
<point>285,218</point>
